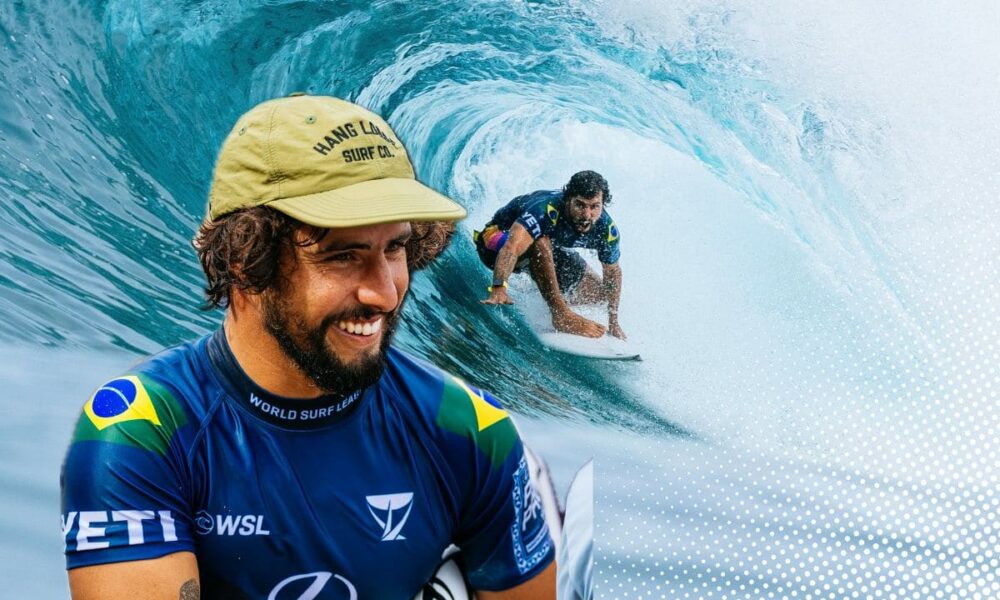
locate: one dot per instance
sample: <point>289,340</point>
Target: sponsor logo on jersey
<point>206,523</point>
<point>98,529</point>
<point>474,413</point>
<point>391,511</point>
<point>531,224</point>
<point>308,586</point>
<point>612,233</point>
<point>529,532</point>
<point>552,213</point>
<point>133,410</point>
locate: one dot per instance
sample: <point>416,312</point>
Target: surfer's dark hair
<point>243,250</point>
<point>586,184</point>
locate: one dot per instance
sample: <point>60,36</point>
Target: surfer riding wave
<point>539,231</point>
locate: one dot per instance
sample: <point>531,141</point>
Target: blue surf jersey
<point>542,213</point>
<point>337,497</point>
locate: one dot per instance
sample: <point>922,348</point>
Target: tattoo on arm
<point>190,590</point>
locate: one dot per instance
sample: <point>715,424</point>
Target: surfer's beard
<point>308,347</point>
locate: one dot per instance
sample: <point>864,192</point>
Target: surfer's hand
<point>569,322</point>
<point>498,296</point>
<point>616,330</point>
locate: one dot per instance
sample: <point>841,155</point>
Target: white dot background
<point>897,495</point>
<point>843,394</point>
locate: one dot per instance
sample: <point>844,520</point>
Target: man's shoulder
<point>607,228</point>
<point>181,370</point>
<point>148,403</point>
<point>543,197</point>
<point>548,195</point>
<point>605,220</point>
<point>454,407</point>
<point>539,211</point>
<point>179,359</point>
<point>536,199</point>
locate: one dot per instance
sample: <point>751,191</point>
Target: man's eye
<point>339,257</point>
<point>395,246</point>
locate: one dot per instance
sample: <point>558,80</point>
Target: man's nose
<point>378,285</point>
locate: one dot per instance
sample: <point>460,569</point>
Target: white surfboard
<point>575,577</point>
<point>448,582</point>
<point>539,319</point>
<point>606,348</point>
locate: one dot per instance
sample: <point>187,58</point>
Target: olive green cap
<point>323,161</point>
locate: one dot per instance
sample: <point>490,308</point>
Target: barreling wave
<point>112,114</point>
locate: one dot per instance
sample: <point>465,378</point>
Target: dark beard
<point>307,348</point>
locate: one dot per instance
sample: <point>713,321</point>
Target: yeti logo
<point>386,510</point>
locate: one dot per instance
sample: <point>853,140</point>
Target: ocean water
<point>809,201</point>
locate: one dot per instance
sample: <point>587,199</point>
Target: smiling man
<point>294,453</point>
<point>539,231</point>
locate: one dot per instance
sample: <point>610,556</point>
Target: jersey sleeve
<point>502,531</point>
<point>123,490</point>
<point>539,218</point>
<point>608,251</point>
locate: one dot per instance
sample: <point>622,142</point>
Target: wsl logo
<point>391,511</point>
<point>121,400</point>
<point>206,523</point>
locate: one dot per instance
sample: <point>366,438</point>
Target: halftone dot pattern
<point>875,472</point>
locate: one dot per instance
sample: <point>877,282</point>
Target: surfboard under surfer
<point>538,232</point>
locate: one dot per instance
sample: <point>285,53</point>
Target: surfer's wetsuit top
<point>357,495</point>
<point>541,214</point>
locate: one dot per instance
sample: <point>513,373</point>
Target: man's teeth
<point>361,328</point>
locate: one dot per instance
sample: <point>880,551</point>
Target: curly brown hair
<point>243,250</point>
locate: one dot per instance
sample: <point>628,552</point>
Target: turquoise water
<point>807,199</point>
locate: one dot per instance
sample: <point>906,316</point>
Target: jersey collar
<point>292,413</point>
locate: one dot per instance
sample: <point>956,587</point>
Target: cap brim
<point>386,200</point>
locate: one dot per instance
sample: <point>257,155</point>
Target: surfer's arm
<point>518,242</point>
<point>539,587</point>
<point>543,270</point>
<point>169,577</point>
<point>612,277</point>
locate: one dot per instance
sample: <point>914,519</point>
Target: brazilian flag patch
<point>475,414</point>
<point>132,410</point>
<point>552,213</point>
<point>612,232</point>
